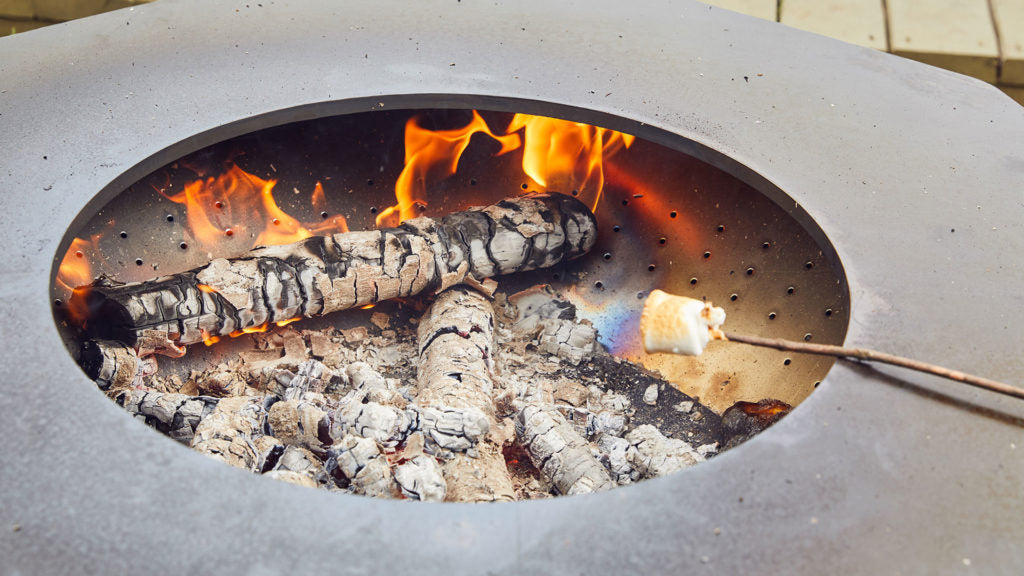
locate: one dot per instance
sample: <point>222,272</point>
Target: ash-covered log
<point>177,415</point>
<point>227,433</point>
<point>114,366</point>
<point>322,274</point>
<point>560,453</point>
<point>455,398</point>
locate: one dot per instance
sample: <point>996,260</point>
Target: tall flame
<point>567,155</point>
<point>432,155</point>
<point>557,154</point>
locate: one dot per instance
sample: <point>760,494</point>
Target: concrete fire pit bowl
<point>914,174</point>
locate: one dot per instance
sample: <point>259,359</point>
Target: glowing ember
<point>208,339</point>
<point>767,410</point>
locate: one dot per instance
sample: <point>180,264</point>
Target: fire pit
<point>660,219</point>
<point>874,459</point>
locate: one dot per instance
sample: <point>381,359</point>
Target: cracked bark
<point>455,398</point>
<point>324,274</point>
<point>560,453</point>
<point>177,415</point>
<point>227,433</point>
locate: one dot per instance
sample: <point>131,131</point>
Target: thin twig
<point>875,356</point>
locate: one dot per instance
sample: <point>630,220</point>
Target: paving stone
<point>859,22</point>
<point>1009,16</point>
<point>760,8</point>
<point>954,34</point>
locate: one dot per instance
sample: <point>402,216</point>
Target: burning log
<point>323,274</point>
<point>455,398</point>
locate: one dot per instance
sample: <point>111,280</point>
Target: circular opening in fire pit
<point>528,361</point>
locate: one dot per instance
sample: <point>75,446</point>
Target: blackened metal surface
<point>913,173</point>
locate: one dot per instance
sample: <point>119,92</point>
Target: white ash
<point>300,423</point>
<point>455,397</point>
<point>421,478</point>
<point>372,386</point>
<point>651,395</point>
<point>654,455</point>
<point>609,423</point>
<point>292,478</point>
<point>615,456</point>
<point>300,461</point>
<point>227,433</point>
<point>457,430</point>
<point>443,417</point>
<point>561,454</point>
<point>685,406</point>
<point>571,341</point>
<point>362,465</point>
<point>384,424</point>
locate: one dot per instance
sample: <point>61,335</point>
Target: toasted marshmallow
<point>678,324</point>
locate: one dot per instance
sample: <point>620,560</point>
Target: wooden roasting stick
<point>682,325</point>
<point>455,400</point>
<point>323,274</point>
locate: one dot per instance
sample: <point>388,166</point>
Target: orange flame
<point>319,199</point>
<point>209,339</point>
<point>74,269</point>
<point>430,156</point>
<point>282,323</point>
<point>237,205</point>
<point>567,155</point>
<point>74,273</point>
<point>250,330</point>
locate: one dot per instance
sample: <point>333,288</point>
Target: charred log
<point>323,274</point>
<point>227,433</point>
<point>455,399</point>
<point>177,415</point>
<point>112,365</point>
<point>560,453</point>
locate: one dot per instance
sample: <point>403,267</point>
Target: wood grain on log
<point>323,274</point>
<point>455,398</point>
